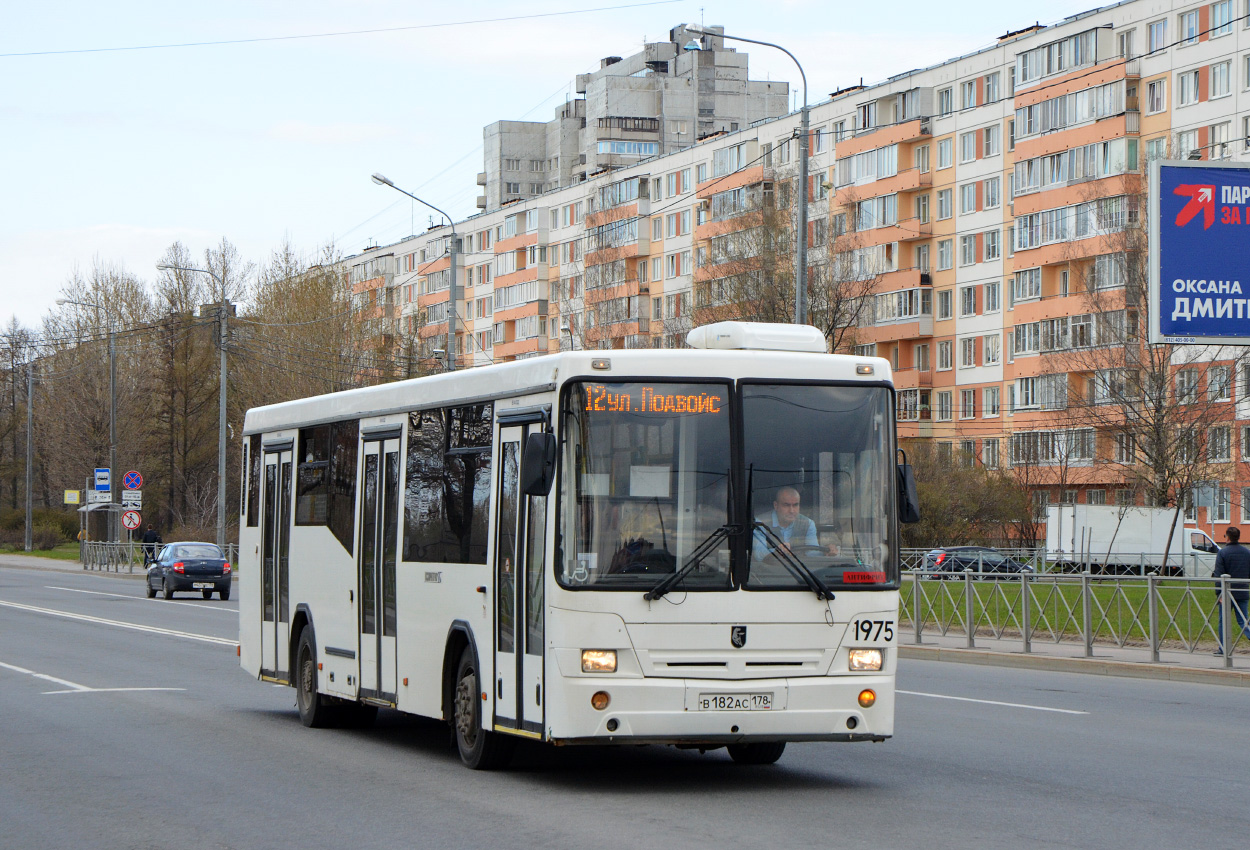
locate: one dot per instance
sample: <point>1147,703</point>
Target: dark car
<point>979,559</point>
<point>189,567</point>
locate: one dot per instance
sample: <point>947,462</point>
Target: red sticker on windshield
<point>864,577</point>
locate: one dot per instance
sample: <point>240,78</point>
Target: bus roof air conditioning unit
<point>758,336</point>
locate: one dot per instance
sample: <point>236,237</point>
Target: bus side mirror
<point>538,464</point>
<point>908,502</point>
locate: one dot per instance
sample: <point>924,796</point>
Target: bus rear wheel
<point>767,753</point>
<point>479,749</point>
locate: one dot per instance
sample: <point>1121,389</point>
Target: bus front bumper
<point>692,712</point>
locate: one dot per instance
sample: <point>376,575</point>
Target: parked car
<point>956,559</point>
<point>189,567</point>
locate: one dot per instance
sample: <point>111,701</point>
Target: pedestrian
<point>1233,561</point>
<point>151,539</point>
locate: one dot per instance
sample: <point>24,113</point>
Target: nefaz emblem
<point>738,636</point>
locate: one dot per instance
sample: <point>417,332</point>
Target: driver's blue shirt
<point>802,529</point>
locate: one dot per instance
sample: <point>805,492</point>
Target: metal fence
<point>126,556</point>
<point>1042,561</point>
<point>1152,612</point>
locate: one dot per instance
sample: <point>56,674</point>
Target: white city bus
<point>591,547</point>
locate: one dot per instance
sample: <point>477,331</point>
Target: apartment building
<point>652,103</point>
<point>983,212</point>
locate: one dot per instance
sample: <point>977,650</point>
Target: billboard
<point>1199,252</point>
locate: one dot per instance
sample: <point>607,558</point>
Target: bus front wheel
<point>313,710</point>
<point>479,749</point>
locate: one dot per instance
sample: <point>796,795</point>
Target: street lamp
<point>114,534</point>
<point>800,272</point>
<point>453,250</point>
<point>223,312</point>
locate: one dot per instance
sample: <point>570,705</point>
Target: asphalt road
<point>983,757</point>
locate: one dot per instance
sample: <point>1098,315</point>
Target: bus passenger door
<point>519,597</point>
<point>275,565</point>
<point>376,554</point>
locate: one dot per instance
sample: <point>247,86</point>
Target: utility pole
<point>114,519</point>
<point>453,250</point>
<point>224,311</point>
<point>30,444</point>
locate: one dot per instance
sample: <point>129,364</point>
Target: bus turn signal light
<point>599,700</point>
<point>867,698</point>
<point>598,660</point>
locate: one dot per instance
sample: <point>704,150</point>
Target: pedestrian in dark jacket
<point>1233,561</point>
<point>151,539</point>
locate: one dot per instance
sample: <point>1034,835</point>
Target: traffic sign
<point>131,520</point>
<point>132,497</point>
<point>132,480</point>
<point>103,478</point>
<point>72,497</point>
<point>95,497</point>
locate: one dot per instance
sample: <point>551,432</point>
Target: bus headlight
<point>858,659</point>
<point>598,660</point>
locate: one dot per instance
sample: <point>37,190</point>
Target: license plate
<point>201,585</point>
<point>735,702</point>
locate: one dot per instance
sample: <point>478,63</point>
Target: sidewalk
<point>1107,660</point>
<point>34,562</point>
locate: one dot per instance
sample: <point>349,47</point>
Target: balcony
<point>911,378</point>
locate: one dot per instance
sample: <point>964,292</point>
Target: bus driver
<point>793,528</point>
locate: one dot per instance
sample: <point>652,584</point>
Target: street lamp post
<point>222,313</point>
<point>114,534</point>
<point>453,251</point>
<point>800,271</point>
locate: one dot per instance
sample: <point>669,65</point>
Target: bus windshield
<point>820,479</point>
<point>645,480</point>
<point>648,479</point>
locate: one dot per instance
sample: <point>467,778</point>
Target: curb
<point>1094,666</point>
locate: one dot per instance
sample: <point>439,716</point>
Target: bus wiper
<point>696,557</point>
<point>794,565</point>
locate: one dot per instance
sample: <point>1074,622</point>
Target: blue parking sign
<point>1200,252</point>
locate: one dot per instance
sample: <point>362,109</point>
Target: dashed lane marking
<point>120,624</point>
<point>993,702</point>
<point>144,599</point>
<point>74,687</point>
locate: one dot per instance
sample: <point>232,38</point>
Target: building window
<point>1186,143</point>
<point>1096,497</point>
<point>993,141</point>
<point>1156,94</point>
<point>993,346</point>
<point>1221,18</point>
<point>992,192</point>
<point>1219,445</point>
<point>1187,88</point>
<point>989,402</point>
<point>967,250</point>
<point>946,101</point>
<point>1218,135</point>
<point>1158,32</point>
<point>945,149</point>
<point>921,357</point>
<point>993,250</point>
<point>944,206</point>
<point>1186,386</point>
<point>1221,84</point>
<point>993,297</point>
<point>922,255</point>
<point>968,95</point>
<point>968,352</point>
<point>944,356</point>
<point>967,147</point>
<point>1220,383</point>
<point>943,413</point>
<point>991,87</point>
<point>944,255</point>
<point>967,198</point>
<point>944,304</point>
<point>1125,41</point>
<point>989,453</point>
<point>921,156</point>
<point>967,404</point>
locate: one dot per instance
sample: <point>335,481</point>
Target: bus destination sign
<point>644,398</point>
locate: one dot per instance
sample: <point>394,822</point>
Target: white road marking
<point>121,624</point>
<point>993,702</point>
<point>144,599</point>
<point>110,690</point>
<point>74,687</point>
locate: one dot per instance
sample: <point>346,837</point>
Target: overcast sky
<point>115,154</point>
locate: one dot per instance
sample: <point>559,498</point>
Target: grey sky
<point>117,154</point>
